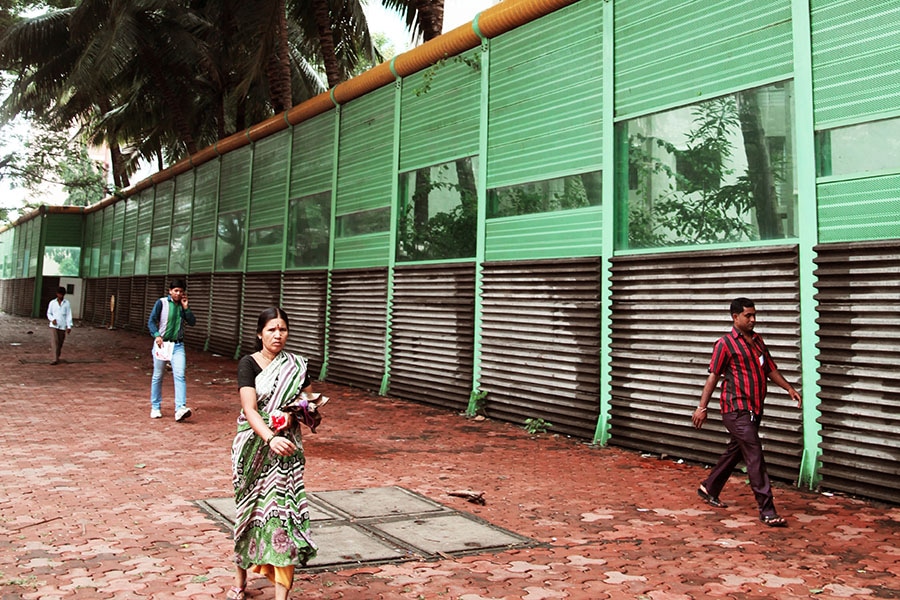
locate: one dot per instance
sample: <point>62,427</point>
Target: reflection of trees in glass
<point>66,260</point>
<point>309,229</point>
<point>563,193</point>
<point>694,194</point>
<point>230,244</point>
<point>376,220</point>
<point>438,212</point>
<point>178,249</point>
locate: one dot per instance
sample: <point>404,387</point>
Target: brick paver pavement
<point>97,500</point>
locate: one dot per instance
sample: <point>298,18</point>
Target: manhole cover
<point>387,524</point>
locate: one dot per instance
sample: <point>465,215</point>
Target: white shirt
<point>61,312</point>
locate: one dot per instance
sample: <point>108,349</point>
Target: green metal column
<point>601,434</point>
<point>39,274</point>
<point>395,218</point>
<point>475,396</point>
<point>334,182</point>
<point>804,127</point>
<point>247,209</point>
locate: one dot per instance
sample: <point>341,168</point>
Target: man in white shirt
<point>59,312</point>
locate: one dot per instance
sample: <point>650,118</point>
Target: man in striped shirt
<point>743,361</point>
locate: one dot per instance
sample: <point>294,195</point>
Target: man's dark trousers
<point>744,444</point>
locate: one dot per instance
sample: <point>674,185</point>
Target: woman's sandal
<point>773,520</point>
<point>235,593</point>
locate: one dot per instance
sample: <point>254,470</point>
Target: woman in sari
<point>271,529</point>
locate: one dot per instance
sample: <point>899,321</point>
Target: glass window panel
<point>717,171</point>
<point>179,246</point>
<point>115,258</point>
<point>549,195</point>
<point>864,148</point>
<point>142,254</point>
<point>230,240</point>
<point>309,230</point>
<point>62,261</point>
<point>266,236</point>
<point>438,212</point>
<point>377,220</point>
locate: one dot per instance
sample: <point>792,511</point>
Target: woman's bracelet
<point>269,441</point>
<point>703,408</point>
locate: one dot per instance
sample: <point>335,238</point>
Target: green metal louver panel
<point>432,334</point>
<point>856,59</point>
<point>162,227</point>
<point>365,169</point>
<point>859,209</point>
<point>182,213</point>
<point>561,234</point>
<point>144,233</point>
<point>312,157</point>
<point>357,328</point>
<point>234,188</point>
<point>671,53</point>
<point>440,110</point>
<point>115,260</point>
<point>859,350</point>
<point>129,235</point>
<point>92,245</point>
<point>658,372</point>
<point>265,250</point>
<point>541,343</point>
<point>64,229</point>
<point>108,223</point>
<point>304,298</point>
<point>362,251</point>
<point>203,228</point>
<point>545,116</point>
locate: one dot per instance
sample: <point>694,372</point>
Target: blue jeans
<point>159,368</point>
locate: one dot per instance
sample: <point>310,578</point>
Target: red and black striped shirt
<point>745,367</point>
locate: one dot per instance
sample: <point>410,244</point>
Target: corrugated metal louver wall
<point>541,343</point>
<point>224,326</point>
<point>304,298</point>
<point>859,379</point>
<point>90,300</point>
<point>123,301</point>
<point>357,328</point>
<point>668,310</point>
<point>261,291</point>
<point>137,319</point>
<point>156,288</point>
<point>199,291</point>
<point>432,334</point>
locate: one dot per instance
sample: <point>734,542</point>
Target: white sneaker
<point>182,413</point>
<point>155,413</point>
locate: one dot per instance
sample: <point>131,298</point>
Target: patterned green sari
<point>272,515</point>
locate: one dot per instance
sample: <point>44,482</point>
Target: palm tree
<point>424,18</point>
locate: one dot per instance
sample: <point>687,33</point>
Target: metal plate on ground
<point>448,534</point>
<point>378,502</point>
<point>387,524</point>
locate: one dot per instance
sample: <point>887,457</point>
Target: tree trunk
<point>279,65</point>
<point>468,189</point>
<point>759,168</point>
<point>119,170</point>
<point>431,17</point>
<point>322,11</point>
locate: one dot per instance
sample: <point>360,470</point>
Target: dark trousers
<point>744,444</point>
<point>57,339</point>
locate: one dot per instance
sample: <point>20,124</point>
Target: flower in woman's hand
<point>278,421</point>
